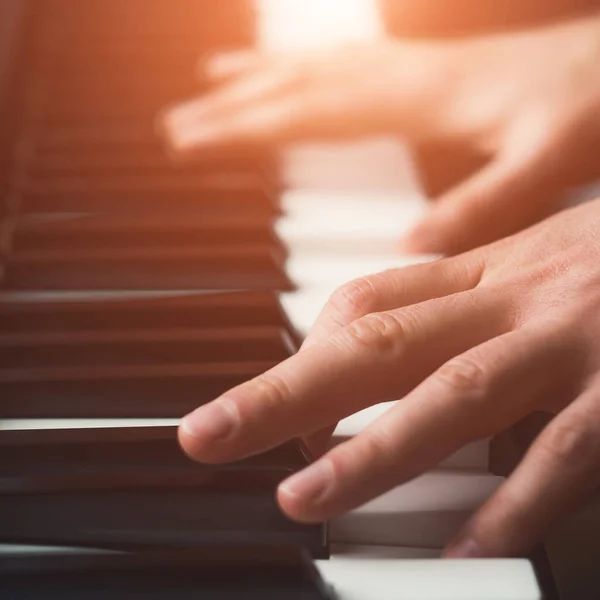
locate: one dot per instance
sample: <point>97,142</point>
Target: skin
<point>471,344</point>
<point>528,100</point>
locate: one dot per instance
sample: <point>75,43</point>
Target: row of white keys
<point>345,208</point>
<point>386,549</point>
<point>389,548</point>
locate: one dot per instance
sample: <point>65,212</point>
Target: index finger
<point>379,358</point>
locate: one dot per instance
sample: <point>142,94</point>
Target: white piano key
<point>323,221</point>
<point>380,205</point>
<point>48,550</point>
<point>304,229</point>
<point>474,456</point>
<point>368,573</point>
<point>332,271</point>
<point>303,307</point>
<point>318,276</point>
<point>38,424</point>
<point>374,164</point>
<point>425,512</point>
<point>356,551</point>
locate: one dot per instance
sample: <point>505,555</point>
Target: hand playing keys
<point>529,100</point>
<point>470,344</point>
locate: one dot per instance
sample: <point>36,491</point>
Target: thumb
<point>505,196</point>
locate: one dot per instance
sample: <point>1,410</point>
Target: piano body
<point>134,289</point>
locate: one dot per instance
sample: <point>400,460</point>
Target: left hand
<point>529,100</point>
<point>471,344</point>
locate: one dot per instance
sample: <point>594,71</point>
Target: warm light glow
<point>287,25</point>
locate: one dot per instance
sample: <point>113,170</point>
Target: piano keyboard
<point>135,289</point>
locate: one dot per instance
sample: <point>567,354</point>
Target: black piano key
<point>111,158</point>
<point>168,391</point>
<point>113,96</point>
<point>86,232</point>
<point>27,457</point>
<point>227,268</point>
<point>48,461</point>
<point>222,310</point>
<point>129,150</point>
<point>100,140</point>
<point>147,517</point>
<point>166,346</point>
<point>212,573</point>
<point>169,196</point>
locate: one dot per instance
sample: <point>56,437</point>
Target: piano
<point>134,289</point>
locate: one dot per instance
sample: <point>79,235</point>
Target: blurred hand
<point>529,100</point>
<point>471,344</point>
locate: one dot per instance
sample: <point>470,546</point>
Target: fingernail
<point>312,485</point>
<point>215,422</point>
<point>467,548</point>
<point>186,112</point>
<point>184,138</point>
<point>223,64</point>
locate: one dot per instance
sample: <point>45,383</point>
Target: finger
<point>230,64</point>
<point>394,289</point>
<point>471,396</point>
<point>558,472</point>
<point>376,359</point>
<point>277,121</point>
<point>194,120</point>
<point>501,199</point>
<point>387,291</point>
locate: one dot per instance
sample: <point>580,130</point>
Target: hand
<point>528,100</point>
<point>471,344</point>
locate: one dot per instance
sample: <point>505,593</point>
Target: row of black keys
<point>274,573</point>
<point>142,357</point>
<point>95,205</point>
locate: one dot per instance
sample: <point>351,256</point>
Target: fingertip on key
<point>208,427</point>
<point>302,495</point>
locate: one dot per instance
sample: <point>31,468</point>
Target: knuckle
<point>272,389</point>
<point>463,376</point>
<point>382,333</point>
<point>354,299</point>
<point>571,443</point>
<point>376,445</point>
<point>337,461</point>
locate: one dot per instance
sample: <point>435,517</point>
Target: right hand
<point>470,345</point>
